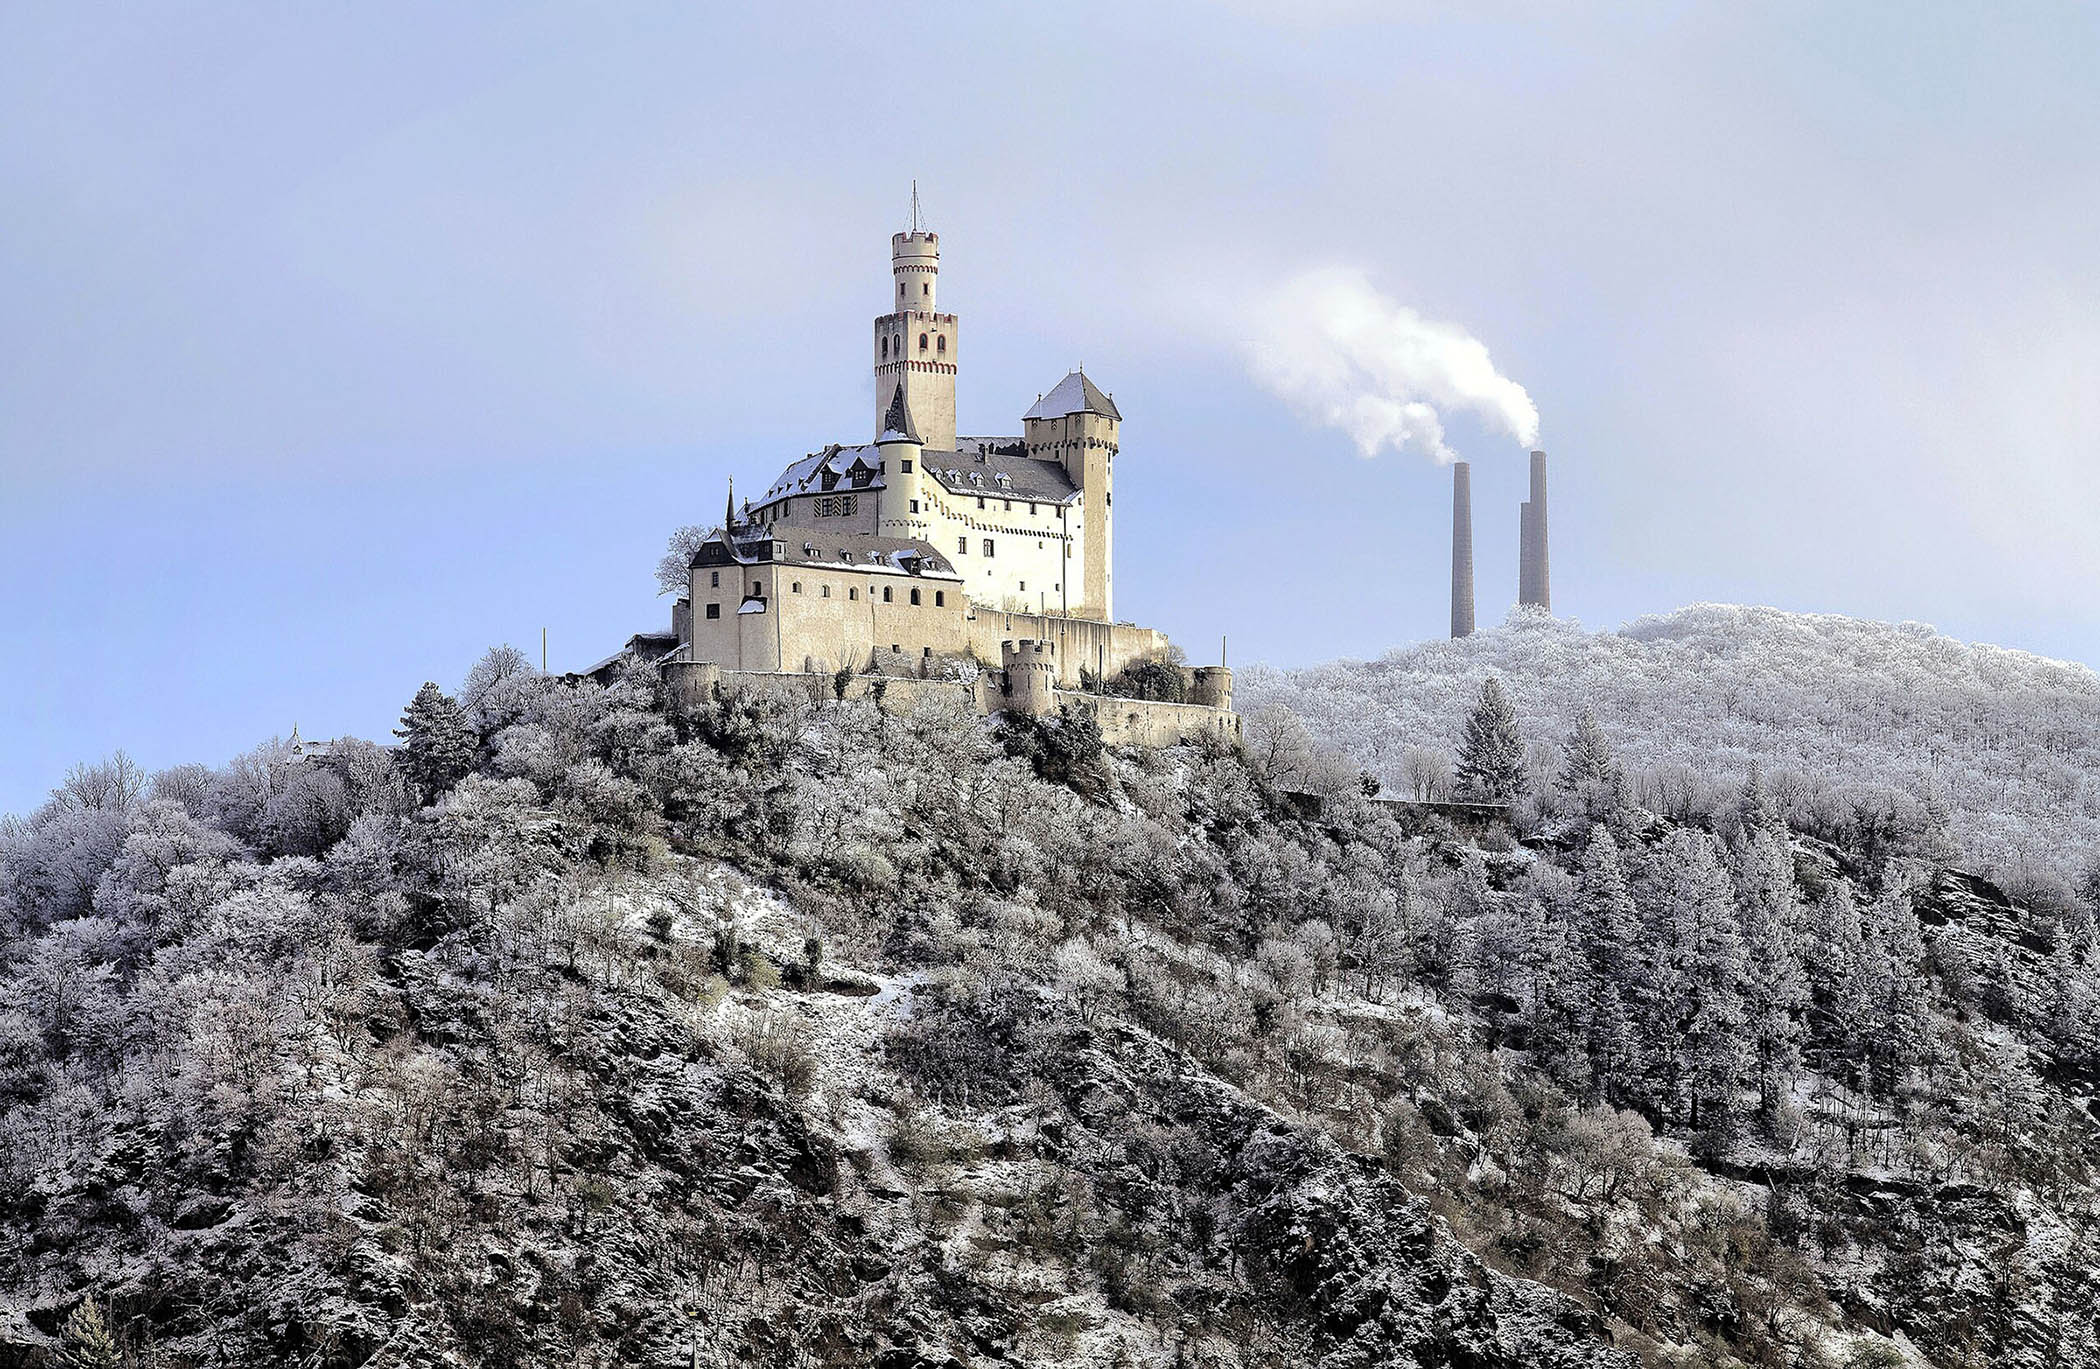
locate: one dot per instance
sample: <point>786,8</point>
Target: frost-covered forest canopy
<point>593,1026</point>
<point>1838,711</point>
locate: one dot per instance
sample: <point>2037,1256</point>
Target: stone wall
<point>1143,722</point>
<point>1124,722</point>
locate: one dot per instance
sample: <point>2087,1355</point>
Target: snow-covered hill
<point>2009,742</point>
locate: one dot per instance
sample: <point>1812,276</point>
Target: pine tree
<point>1609,933</point>
<point>1775,991</point>
<point>86,1340</point>
<point>1491,755</point>
<point>438,742</point>
<point>1703,950</point>
<point>1755,805</point>
<point>1589,759</point>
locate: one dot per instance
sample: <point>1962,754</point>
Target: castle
<point>907,557</point>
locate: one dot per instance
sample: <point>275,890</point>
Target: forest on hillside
<point>589,1027</point>
<point>1851,721</point>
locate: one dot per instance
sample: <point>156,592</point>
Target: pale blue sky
<point>339,343</point>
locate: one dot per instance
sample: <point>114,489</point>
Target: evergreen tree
<point>438,742</point>
<point>1702,949</point>
<point>1609,933</point>
<point>1755,805</point>
<point>1887,1002</point>
<point>1775,991</point>
<point>1491,755</point>
<point>86,1340</point>
<point>1589,759</point>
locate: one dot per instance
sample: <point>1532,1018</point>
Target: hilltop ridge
<point>1830,706</point>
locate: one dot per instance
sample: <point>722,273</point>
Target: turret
<point>1079,427</point>
<point>1031,677</point>
<point>901,512</point>
<point>915,345</point>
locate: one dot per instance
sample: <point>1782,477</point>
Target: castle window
<point>1009,506</point>
<point>900,289</point>
<point>885,594</point>
<point>905,465</point>
<point>1024,587</point>
<point>758,591</point>
<point>915,596</point>
<point>825,591</point>
<point>914,506</point>
<point>940,599</point>
<point>926,288</point>
<point>853,592</point>
<point>987,546</point>
<point>714,581</point>
<point>922,342</point>
<point>1031,510</point>
<point>885,346</point>
<point>962,546</point>
<point>940,344</point>
<point>980,498</point>
<point>714,610</point>
<point>797,587</point>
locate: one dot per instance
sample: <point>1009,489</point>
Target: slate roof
<point>802,545</point>
<point>896,423</point>
<point>1075,394</point>
<point>809,546</point>
<point>806,474</point>
<point>988,459</point>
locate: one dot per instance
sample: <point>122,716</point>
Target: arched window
<point>922,342</point>
<point>941,344</point>
<point>798,587</point>
<point>915,596</point>
<point>885,346</point>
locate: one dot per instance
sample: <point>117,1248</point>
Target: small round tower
<point>915,263</point>
<point>1031,677</point>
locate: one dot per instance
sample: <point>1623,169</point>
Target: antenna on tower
<point>915,204</point>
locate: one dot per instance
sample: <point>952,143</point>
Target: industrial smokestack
<point>1541,563</point>
<point>1534,578</point>
<point>1461,549</point>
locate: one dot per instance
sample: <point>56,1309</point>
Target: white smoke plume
<point>1344,355</point>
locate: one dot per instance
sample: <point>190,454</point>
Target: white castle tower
<point>914,343</point>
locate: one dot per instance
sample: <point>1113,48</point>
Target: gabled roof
<point>1075,394</point>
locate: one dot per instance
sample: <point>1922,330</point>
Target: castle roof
<point>792,544</point>
<point>896,424</point>
<point>836,461</point>
<point>999,464</point>
<point>998,467</point>
<point>1075,394</point>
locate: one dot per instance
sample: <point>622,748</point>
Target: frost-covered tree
<point>1609,932</point>
<point>674,567</point>
<point>438,743</point>
<point>86,1341</point>
<point>1775,990</point>
<point>1491,762</point>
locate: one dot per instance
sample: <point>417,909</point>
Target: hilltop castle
<point>907,554</point>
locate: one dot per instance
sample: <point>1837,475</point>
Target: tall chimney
<point>1527,572</point>
<point>1461,549</point>
<point>1541,564</point>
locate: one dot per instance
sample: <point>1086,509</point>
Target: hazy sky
<point>339,343</point>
